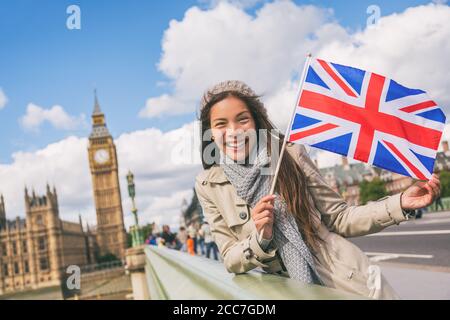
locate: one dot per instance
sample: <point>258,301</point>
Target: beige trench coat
<point>345,266</point>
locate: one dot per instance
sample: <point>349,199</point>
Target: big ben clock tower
<point>111,236</point>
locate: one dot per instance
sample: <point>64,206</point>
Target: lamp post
<point>136,236</point>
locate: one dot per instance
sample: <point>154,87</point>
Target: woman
<point>300,230</point>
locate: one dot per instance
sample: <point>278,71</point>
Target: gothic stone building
<point>35,250</point>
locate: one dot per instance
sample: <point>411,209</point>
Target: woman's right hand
<point>262,215</point>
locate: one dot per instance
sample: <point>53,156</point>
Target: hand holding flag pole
<point>288,129</point>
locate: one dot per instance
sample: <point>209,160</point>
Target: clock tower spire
<point>99,128</point>
<point>111,236</point>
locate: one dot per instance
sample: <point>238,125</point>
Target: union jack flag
<point>368,117</point>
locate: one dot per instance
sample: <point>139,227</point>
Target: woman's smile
<point>236,145</point>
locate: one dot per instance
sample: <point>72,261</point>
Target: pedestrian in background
<point>209,241</point>
<point>151,240</point>
<point>201,241</point>
<point>438,203</point>
<point>192,232</point>
<point>182,238</point>
<point>169,237</point>
<point>190,246</point>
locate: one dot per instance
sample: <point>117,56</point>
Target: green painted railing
<point>172,274</point>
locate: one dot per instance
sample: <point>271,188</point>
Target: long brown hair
<point>291,182</point>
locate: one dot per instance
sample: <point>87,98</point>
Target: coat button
<point>243,215</point>
<point>350,275</point>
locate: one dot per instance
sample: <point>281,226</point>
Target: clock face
<point>101,156</point>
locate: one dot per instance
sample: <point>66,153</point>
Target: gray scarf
<point>251,186</point>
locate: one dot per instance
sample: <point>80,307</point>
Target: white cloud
<point>156,107</point>
<point>35,116</point>
<point>3,99</point>
<point>445,135</point>
<point>161,183</point>
<point>265,50</point>
<point>166,209</point>
<point>411,47</point>
<point>63,164</point>
<point>244,4</point>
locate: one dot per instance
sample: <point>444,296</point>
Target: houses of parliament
<point>35,250</point>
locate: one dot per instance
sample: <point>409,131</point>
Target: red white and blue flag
<point>368,117</point>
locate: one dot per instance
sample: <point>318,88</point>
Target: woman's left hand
<point>421,194</point>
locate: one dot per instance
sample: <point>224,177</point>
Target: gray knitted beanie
<point>225,86</point>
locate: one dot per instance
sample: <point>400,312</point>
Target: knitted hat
<point>229,85</point>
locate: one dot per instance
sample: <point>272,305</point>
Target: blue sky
<point>116,51</point>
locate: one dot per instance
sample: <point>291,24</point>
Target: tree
<point>146,231</point>
<point>107,257</point>
<point>372,190</point>
<point>129,240</point>
<point>444,177</point>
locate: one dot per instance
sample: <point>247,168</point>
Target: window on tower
<point>43,264</point>
<point>39,220</point>
<point>42,243</point>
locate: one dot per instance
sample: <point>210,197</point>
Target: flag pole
<point>288,129</point>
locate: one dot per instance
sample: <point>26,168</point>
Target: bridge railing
<point>161,273</point>
<point>102,266</point>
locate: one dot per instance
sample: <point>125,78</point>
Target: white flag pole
<point>288,129</point>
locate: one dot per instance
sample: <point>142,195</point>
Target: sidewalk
<point>417,283</point>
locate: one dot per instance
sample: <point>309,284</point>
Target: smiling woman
<point>300,230</point>
<point>230,121</point>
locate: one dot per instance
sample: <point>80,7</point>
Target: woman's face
<point>233,128</point>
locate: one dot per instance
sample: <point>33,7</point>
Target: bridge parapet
<point>161,274</point>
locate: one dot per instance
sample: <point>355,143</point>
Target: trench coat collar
<point>216,175</point>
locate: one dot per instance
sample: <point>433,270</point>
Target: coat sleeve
<point>239,256</point>
<point>341,218</point>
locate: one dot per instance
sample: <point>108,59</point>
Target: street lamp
<point>136,236</point>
